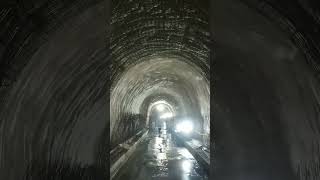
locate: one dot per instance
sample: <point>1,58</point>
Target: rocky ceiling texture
<point>158,47</point>
<point>55,82</point>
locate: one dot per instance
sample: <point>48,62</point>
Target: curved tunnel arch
<point>168,108</point>
<point>152,100</point>
<point>145,34</point>
<point>26,109</point>
<point>172,79</point>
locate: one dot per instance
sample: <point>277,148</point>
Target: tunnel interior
<point>74,85</point>
<point>160,53</point>
<point>266,88</point>
<point>160,82</point>
<point>160,115</point>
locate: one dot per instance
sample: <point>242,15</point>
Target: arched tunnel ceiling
<point>155,98</point>
<point>166,77</point>
<point>69,113</point>
<point>158,47</point>
<point>150,29</point>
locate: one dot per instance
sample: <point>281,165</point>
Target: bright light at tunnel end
<point>184,127</point>
<point>160,107</point>
<point>166,115</point>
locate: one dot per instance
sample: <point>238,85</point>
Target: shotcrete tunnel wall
<point>265,83</point>
<point>158,47</point>
<point>160,79</point>
<point>53,113</point>
<point>266,91</point>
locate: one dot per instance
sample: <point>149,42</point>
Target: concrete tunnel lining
<point>158,48</point>
<point>168,107</point>
<point>63,127</point>
<point>264,103</point>
<point>54,113</point>
<point>166,77</point>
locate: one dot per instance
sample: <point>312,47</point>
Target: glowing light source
<point>184,127</point>
<point>160,107</point>
<point>186,166</point>
<point>166,115</point>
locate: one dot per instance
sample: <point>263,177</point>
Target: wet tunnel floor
<point>159,157</point>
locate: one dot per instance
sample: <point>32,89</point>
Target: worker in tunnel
<point>162,83</point>
<point>163,152</point>
<point>76,89</point>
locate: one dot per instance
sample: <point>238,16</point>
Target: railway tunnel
<point>81,79</point>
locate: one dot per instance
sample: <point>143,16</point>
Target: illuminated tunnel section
<point>160,52</point>
<point>173,81</point>
<point>55,78</point>
<point>161,108</point>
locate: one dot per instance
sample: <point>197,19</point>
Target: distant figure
<point>159,128</point>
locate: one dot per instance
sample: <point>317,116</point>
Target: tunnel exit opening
<point>160,115</point>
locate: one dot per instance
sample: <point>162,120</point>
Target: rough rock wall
<point>159,47</point>
<point>54,115</point>
<point>266,91</point>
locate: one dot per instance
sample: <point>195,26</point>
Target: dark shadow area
<point>62,171</point>
<point>54,90</point>
<point>265,104</point>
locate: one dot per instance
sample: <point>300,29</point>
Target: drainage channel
<point>161,157</point>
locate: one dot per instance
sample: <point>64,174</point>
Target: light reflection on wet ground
<point>160,158</point>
